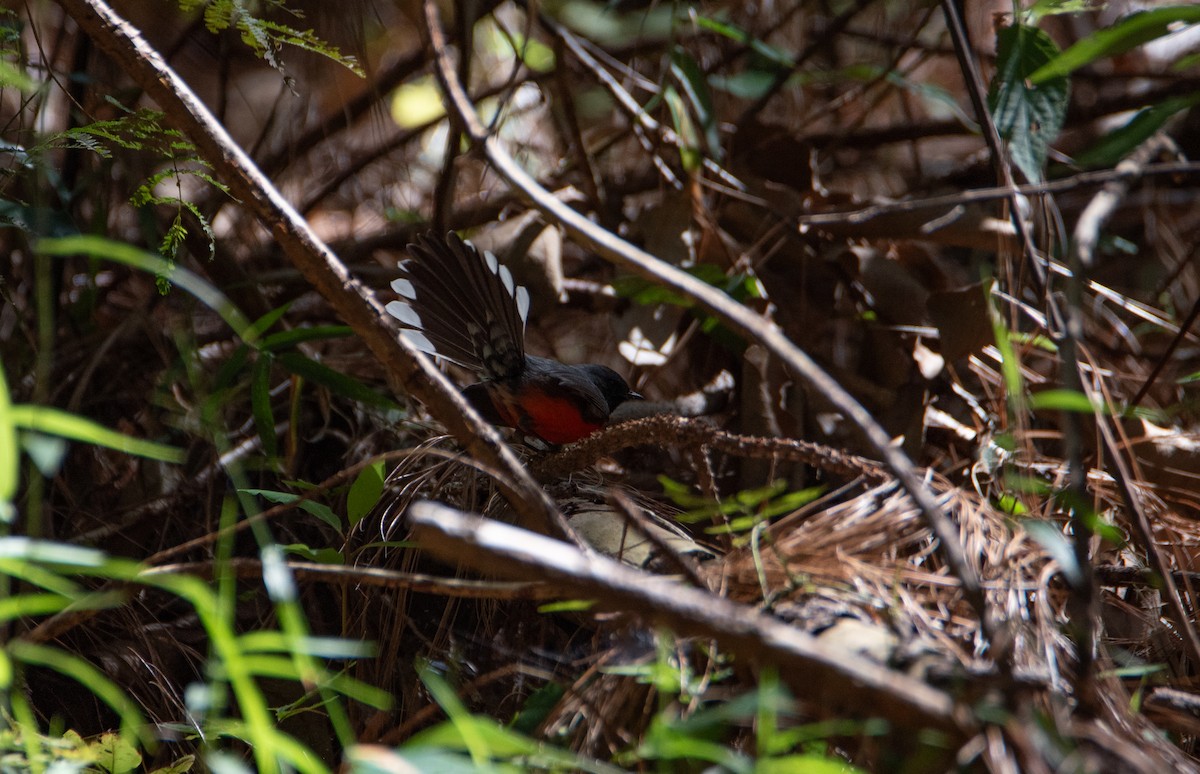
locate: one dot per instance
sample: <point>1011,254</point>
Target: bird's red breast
<point>553,418</point>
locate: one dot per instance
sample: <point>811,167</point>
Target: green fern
<point>143,130</point>
<point>265,37</point>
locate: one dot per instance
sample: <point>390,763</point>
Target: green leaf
<point>322,512</point>
<point>810,763</point>
<point>695,87</point>
<point>1029,116</point>
<point>340,384</point>
<point>181,766</point>
<point>260,405</point>
<point>1009,504</point>
<point>681,494</point>
<point>777,56</point>
<point>646,293</point>
<point>31,605</point>
<point>115,754</point>
<point>1064,400</point>
<point>1129,32</point>
<point>9,457</point>
<point>365,492</point>
<point>318,555</point>
<point>120,252</point>
<point>54,422</point>
<point>267,321</point>
<point>1120,142</point>
<point>537,708</point>
<point>567,606</point>
<point>13,77</point>
<point>287,339</point>
<point>1133,671</point>
<point>685,127</point>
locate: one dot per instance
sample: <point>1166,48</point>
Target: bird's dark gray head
<point>611,384</point>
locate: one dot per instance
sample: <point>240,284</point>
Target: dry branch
<point>407,369</point>
<point>833,681</point>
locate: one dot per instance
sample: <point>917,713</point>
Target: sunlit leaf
<point>1028,115</point>
<point>417,103</point>
<point>1063,400</point>
<point>52,421</point>
<point>1129,32</point>
<point>9,457</point>
<point>364,492</point>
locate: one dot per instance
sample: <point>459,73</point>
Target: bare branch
<point>835,681</point>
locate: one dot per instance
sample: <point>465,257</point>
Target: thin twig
<point>669,431</point>
<point>245,568</point>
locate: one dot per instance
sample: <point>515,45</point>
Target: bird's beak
<point>635,396</point>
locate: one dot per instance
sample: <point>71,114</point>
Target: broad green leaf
<point>364,492</point>
<point>417,103</point>
<point>52,421</point>
<point>1029,116</point>
<point>181,766</point>
<point>116,754</point>
<point>1120,142</point>
<point>1009,504</point>
<point>319,510</point>
<point>1129,32</point>
<point>13,77</point>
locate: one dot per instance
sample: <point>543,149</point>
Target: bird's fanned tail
<point>463,306</point>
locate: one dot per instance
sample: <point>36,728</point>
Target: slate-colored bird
<point>462,305</point>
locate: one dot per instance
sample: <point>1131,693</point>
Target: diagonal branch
<point>407,369</point>
<point>835,681</point>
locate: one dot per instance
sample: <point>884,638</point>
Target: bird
<point>462,305</point>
